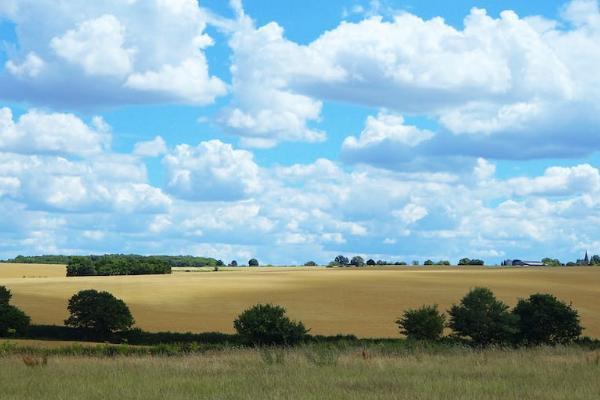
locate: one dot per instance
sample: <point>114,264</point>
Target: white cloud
<point>39,132</point>
<point>524,83</point>
<point>31,67</point>
<point>387,129</point>
<point>263,106</point>
<point>189,81</point>
<point>559,181</point>
<point>212,170</point>
<point>111,52</point>
<point>484,170</point>
<point>97,46</point>
<point>411,213</point>
<point>150,148</point>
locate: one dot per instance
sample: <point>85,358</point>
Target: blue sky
<point>292,131</point>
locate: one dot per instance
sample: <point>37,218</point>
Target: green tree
<point>233,263</point>
<point>12,320</point>
<point>5,295</point>
<point>310,264</point>
<point>267,324</point>
<point>341,260</point>
<point>370,261</point>
<point>543,319</point>
<point>428,262</point>
<point>100,312</point>
<point>552,262</point>
<point>425,323</point>
<point>482,318</point>
<point>357,261</point>
<point>253,262</point>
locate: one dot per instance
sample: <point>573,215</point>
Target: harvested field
<point>364,301</point>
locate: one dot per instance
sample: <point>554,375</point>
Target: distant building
<point>521,263</point>
<point>585,261</point>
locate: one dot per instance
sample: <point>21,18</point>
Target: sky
<point>295,131</point>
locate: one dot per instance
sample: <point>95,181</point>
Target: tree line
<point>117,264</point>
<point>358,261</point>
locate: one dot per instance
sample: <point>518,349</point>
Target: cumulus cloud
<point>505,87</point>
<point>31,67</point>
<point>110,52</point>
<point>57,133</point>
<point>151,148</point>
<point>264,108</point>
<point>212,170</point>
<point>97,46</point>
<point>559,181</point>
<point>188,81</point>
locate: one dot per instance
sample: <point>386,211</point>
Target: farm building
<point>521,263</point>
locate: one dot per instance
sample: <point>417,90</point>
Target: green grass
<point>314,372</point>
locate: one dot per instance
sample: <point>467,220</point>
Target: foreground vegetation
<point>310,372</point>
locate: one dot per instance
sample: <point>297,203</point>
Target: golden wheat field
<point>364,302</point>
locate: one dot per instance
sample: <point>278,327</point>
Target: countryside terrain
<point>364,302</point>
<point>545,374</point>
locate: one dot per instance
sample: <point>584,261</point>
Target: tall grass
<point>312,372</point>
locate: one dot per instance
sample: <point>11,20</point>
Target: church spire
<point>586,260</point>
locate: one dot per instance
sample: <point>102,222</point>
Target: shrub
<point>100,312</point>
<point>425,323</point>
<point>253,262</point>
<point>482,318</point>
<point>267,324</point>
<point>12,320</point>
<point>5,295</point>
<point>543,319</point>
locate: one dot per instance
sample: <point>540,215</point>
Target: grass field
<point>559,373</point>
<point>364,302</point>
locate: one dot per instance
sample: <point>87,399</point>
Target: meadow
<point>364,302</point>
<point>307,373</point>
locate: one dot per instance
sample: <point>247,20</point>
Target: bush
<point>543,319</point>
<point>100,312</point>
<point>12,320</point>
<point>267,324</point>
<point>425,323</point>
<point>482,318</point>
<point>253,262</point>
<point>5,295</point>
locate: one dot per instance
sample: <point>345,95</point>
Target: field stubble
<point>364,302</point>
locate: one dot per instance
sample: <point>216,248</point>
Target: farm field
<point>300,373</point>
<point>364,302</point>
